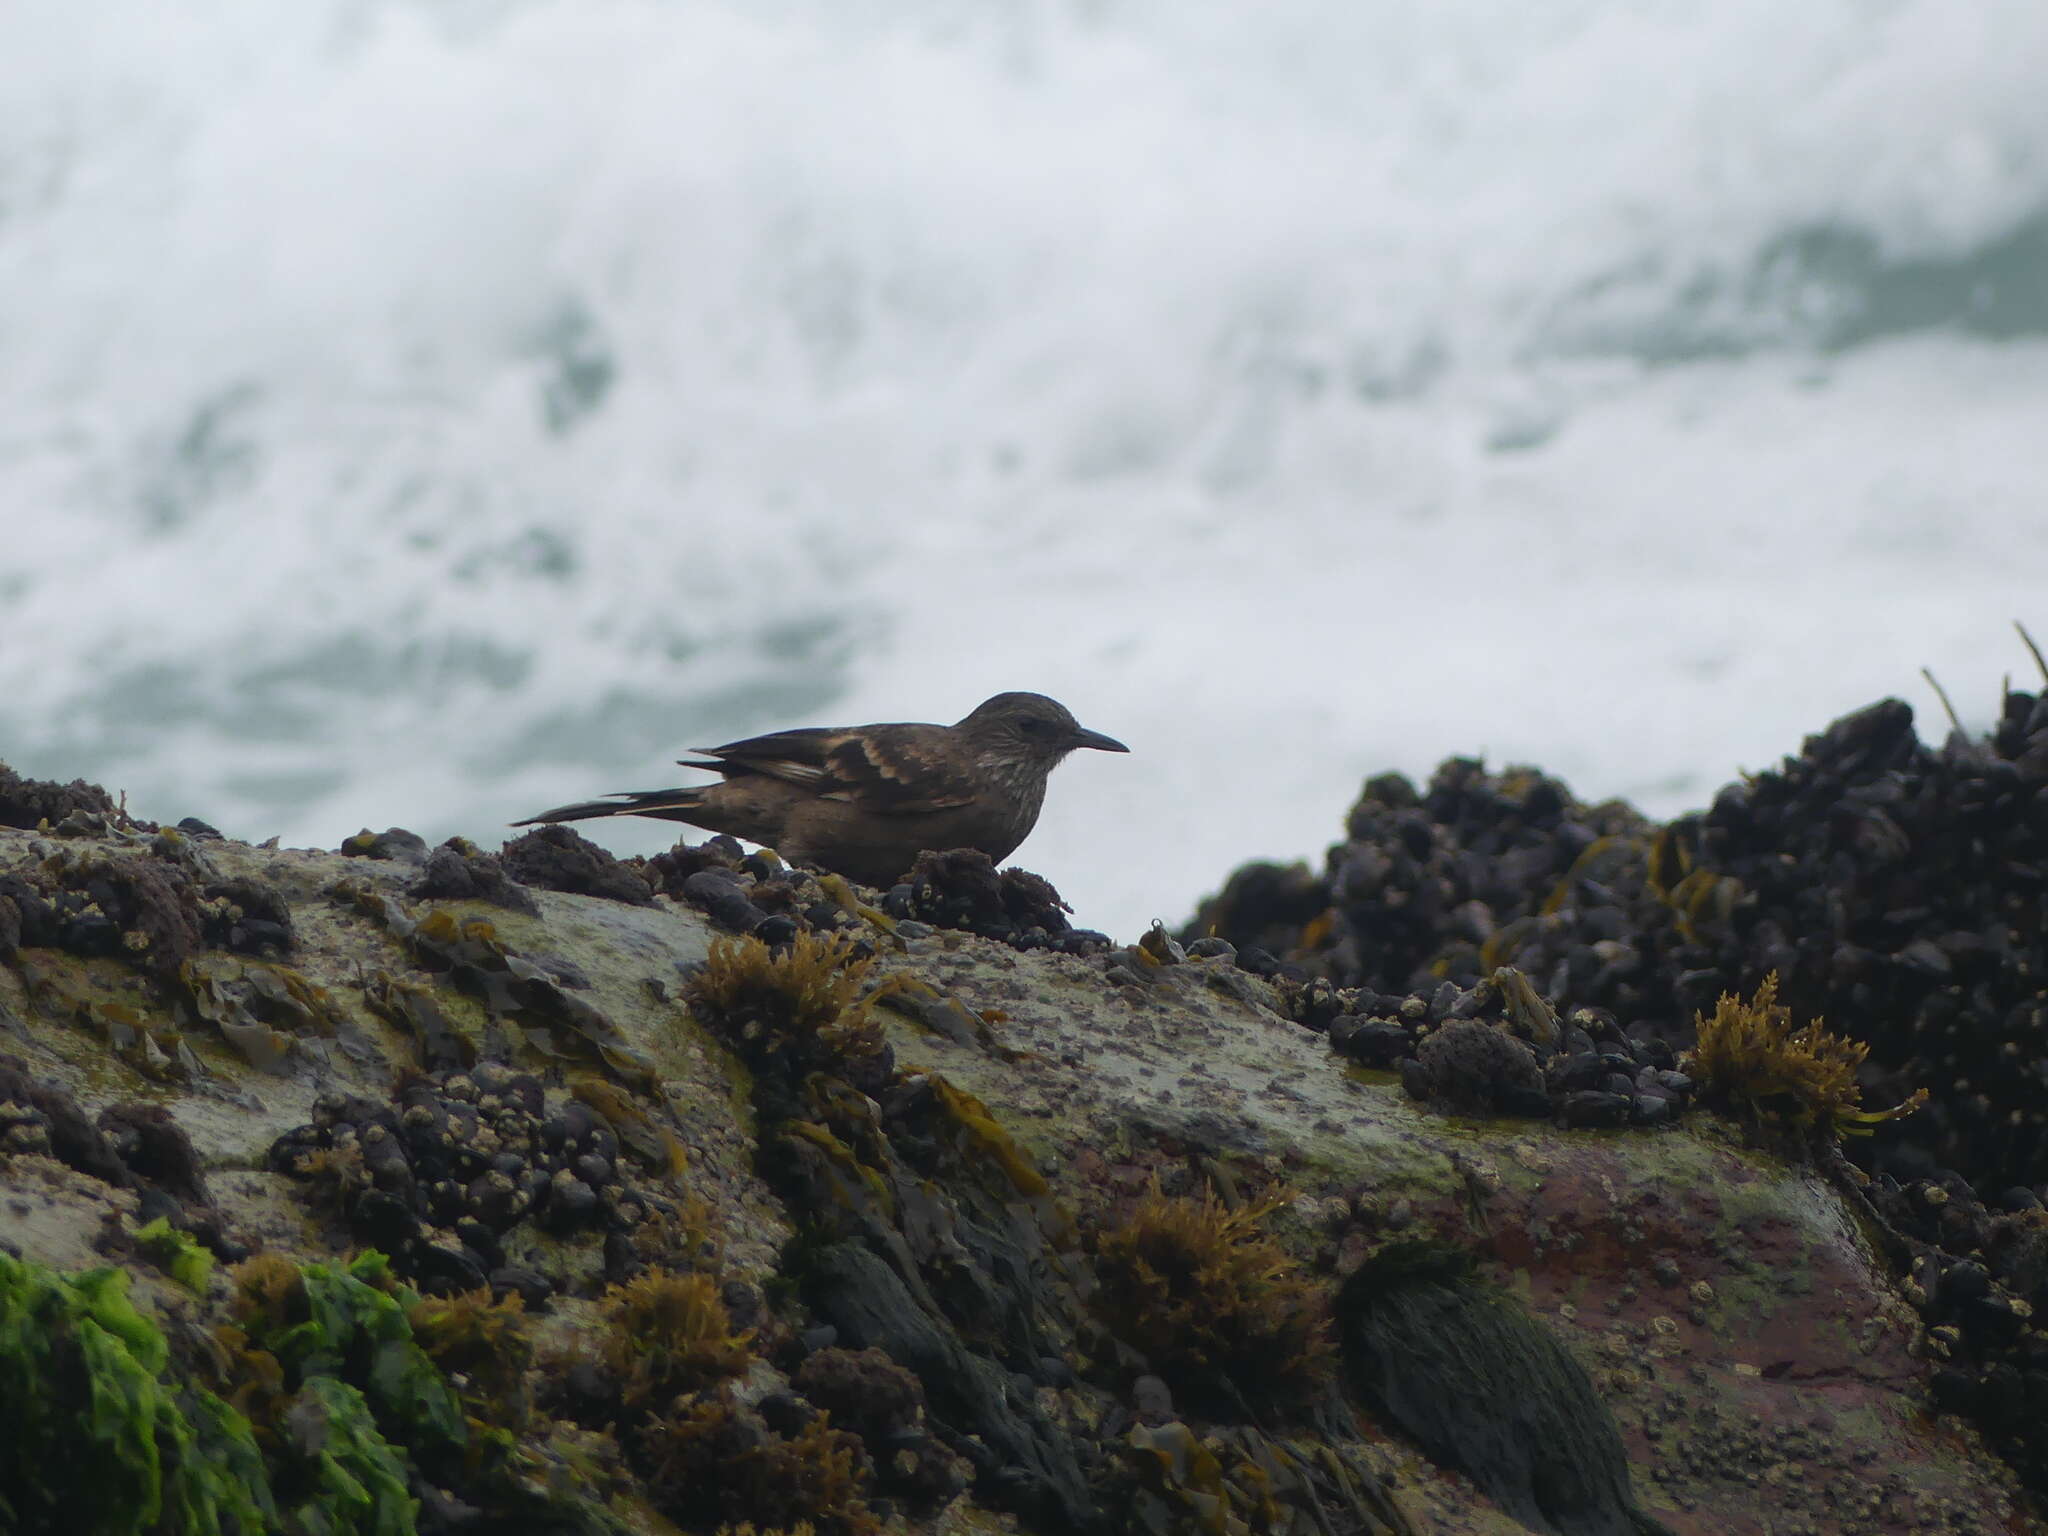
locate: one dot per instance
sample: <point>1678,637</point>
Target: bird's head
<point>1029,728</point>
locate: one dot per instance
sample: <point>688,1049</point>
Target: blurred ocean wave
<point>428,412</point>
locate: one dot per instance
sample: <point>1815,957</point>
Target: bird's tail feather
<point>668,804</point>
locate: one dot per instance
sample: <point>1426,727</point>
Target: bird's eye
<point>1033,725</point>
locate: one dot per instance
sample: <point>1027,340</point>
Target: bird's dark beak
<point>1097,740</point>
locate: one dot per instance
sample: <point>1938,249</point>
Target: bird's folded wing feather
<point>893,770</point>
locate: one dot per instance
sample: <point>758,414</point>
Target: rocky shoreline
<point>402,1189</point>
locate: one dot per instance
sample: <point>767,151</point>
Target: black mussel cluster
<point>758,894</point>
<point>962,889</point>
<point>1498,1049</point>
<point>458,870</point>
<point>553,858</point>
<point>439,1178</point>
<point>1979,1281</point>
<point>1447,883</point>
<point>1900,892</point>
<point>28,803</point>
<point>151,908</point>
<point>750,893</point>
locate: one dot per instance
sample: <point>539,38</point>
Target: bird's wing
<point>891,770</point>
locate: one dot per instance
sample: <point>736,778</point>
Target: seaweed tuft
<point>1218,1308</point>
<point>792,1012</point>
<point>484,1347</point>
<point>1749,1053</point>
<point>715,1460</point>
<point>667,1334</point>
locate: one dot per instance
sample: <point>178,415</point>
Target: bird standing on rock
<point>865,800</point>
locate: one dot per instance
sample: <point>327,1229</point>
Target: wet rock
<point>720,896</point>
<point>869,1305</point>
<point>392,843</point>
<point>1152,1400</point>
<point>669,870</point>
<point>155,1149</point>
<point>1592,1107</point>
<point>66,1132</point>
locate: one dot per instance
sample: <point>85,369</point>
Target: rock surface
<point>897,1218</point>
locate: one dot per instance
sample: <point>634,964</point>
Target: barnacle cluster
<point>447,1176</point>
<point>1979,1281</point>
<point>1498,1048</point>
<point>124,943</point>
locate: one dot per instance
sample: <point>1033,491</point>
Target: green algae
<point>356,1327</point>
<point>177,1254</point>
<point>93,1438</point>
<point>357,1480</point>
<point>102,1431</point>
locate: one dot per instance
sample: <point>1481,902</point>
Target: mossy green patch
<point>177,1254</point>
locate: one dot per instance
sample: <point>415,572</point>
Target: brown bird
<point>865,800</point>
